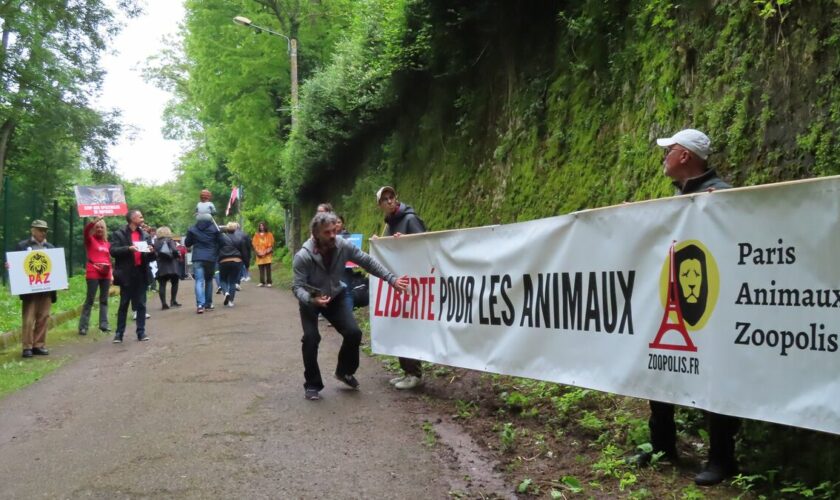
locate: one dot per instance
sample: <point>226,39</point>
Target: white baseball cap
<point>382,191</point>
<point>693,140</point>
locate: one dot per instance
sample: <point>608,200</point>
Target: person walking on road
<point>685,162</point>
<point>132,250</point>
<point>263,243</point>
<point>318,270</point>
<point>168,267</point>
<point>231,254</point>
<point>401,219</point>
<point>204,237</point>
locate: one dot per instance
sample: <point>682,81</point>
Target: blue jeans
<point>203,271</point>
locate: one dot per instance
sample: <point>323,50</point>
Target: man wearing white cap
<point>685,162</point>
<point>35,306</point>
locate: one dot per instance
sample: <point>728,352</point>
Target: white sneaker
<point>134,315</point>
<point>238,288</point>
<point>396,380</point>
<point>261,284</point>
<point>229,304</point>
<point>409,382</point>
<point>268,285</point>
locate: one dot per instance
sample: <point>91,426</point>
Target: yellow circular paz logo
<point>37,266</point>
<point>697,279</point>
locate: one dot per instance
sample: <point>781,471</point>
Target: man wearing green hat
<point>35,306</point>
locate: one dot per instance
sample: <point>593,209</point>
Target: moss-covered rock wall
<point>533,109</point>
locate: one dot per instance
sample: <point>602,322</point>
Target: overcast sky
<point>148,156</point>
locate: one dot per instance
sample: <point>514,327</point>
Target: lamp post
<point>292,215</point>
<point>292,47</point>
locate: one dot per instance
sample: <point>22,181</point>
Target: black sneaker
<point>311,394</point>
<point>219,291</point>
<point>209,307</point>
<point>82,332</point>
<point>118,339</point>
<point>144,338</point>
<point>350,380</point>
<point>227,298</point>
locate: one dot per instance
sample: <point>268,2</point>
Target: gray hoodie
<point>310,271</point>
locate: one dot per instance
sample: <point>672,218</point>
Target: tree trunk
<point>5,133</point>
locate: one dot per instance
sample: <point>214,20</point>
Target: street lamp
<point>293,214</point>
<point>292,47</point>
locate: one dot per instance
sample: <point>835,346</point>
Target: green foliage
<point>507,437</point>
<point>429,435</point>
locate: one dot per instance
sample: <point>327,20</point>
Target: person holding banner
<point>98,273</point>
<point>401,219</point>
<point>685,162</point>
<point>318,270</point>
<point>132,250</point>
<point>35,307</point>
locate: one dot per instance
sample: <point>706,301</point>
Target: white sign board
<point>746,321</point>
<point>37,271</point>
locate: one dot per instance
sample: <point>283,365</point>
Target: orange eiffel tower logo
<point>673,307</point>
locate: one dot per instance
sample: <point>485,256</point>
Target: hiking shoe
<point>227,298</point>
<point>350,380</point>
<point>714,473</point>
<point>409,382</point>
<point>199,310</point>
<point>396,380</point>
<point>311,394</point>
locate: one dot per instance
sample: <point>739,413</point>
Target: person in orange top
<point>97,273</point>
<point>263,243</point>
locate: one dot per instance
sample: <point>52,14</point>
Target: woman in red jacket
<point>98,273</point>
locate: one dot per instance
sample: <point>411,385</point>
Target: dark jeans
<point>229,274</point>
<point>162,280</point>
<point>134,293</point>
<point>182,269</point>
<point>722,431</point>
<point>92,285</point>
<point>265,273</point>
<point>411,366</point>
<point>342,319</point>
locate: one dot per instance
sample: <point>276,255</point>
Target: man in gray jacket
<point>319,269</point>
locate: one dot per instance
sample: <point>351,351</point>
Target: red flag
<point>234,194</point>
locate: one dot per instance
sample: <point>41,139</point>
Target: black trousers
<point>162,280</point>
<point>133,293</point>
<point>722,431</point>
<point>92,286</point>
<point>345,324</point>
<point>265,274</point>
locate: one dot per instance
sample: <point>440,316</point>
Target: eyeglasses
<point>669,150</point>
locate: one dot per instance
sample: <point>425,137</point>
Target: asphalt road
<point>213,407</point>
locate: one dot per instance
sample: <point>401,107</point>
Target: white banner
<point>36,271</point>
<point>749,324</point>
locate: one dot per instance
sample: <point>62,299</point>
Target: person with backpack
<point>168,267</point>
<point>401,219</point>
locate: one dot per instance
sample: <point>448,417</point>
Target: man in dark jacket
<point>685,162</point>
<point>319,268</point>
<point>35,307</point>
<point>401,219</point>
<point>132,250</point>
<point>204,237</point>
